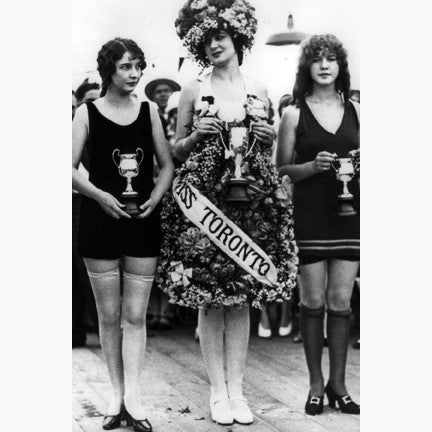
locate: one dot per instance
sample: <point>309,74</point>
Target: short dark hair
<point>84,87</point>
<point>240,44</point>
<point>314,47</point>
<point>112,51</point>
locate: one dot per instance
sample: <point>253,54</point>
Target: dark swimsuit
<point>100,235</point>
<point>319,232</point>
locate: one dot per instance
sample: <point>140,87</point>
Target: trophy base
<point>130,200</point>
<point>345,206</point>
<point>237,191</point>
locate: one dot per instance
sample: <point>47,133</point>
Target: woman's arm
<point>166,166</point>
<point>204,126</point>
<point>79,182</point>
<point>263,130</point>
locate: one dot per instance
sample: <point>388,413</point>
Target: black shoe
<point>113,421</point>
<point>314,405</point>
<point>138,425</point>
<point>345,403</point>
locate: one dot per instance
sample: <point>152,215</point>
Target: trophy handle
<point>115,153</point>
<point>139,150</point>
<point>333,166</point>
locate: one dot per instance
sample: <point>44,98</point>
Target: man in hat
<point>159,90</point>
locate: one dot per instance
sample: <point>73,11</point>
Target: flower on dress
<point>180,273</point>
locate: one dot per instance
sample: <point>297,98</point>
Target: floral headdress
<point>197,17</point>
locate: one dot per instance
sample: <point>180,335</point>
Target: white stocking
<point>237,327</point>
<point>135,301</point>
<point>211,331</point>
<point>106,289</point>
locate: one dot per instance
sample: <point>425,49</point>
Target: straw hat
<point>150,87</point>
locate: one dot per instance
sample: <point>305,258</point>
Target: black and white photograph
<point>216,215</point>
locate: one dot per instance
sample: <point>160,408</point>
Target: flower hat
<point>197,17</point>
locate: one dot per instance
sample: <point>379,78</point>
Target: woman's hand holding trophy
<point>111,205</point>
<point>323,161</point>
<point>345,172</point>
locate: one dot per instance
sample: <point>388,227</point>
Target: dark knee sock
<point>312,331</point>
<point>338,333</point>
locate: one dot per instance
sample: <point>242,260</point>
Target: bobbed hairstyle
<point>317,46</point>
<point>112,51</point>
<point>239,42</point>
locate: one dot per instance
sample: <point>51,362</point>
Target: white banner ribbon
<point>224,233</point>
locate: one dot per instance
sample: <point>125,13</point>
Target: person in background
<point>161,313</point>
<point>83,302</point>
<point>283,312</point>
<point>355,95</point>
<point>74,104</point>
<point>322,126</point>
<point>114,127</point>
<point>171,112</point>
<point>87,92</point>
<point>159,90</point>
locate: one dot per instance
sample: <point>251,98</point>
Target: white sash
<point>224,233</point>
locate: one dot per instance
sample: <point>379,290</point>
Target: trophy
<point>237,185</point>
<point>128,166</point>
<point>344,168</point>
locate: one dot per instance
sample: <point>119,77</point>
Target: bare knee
<point>338,300</point>
<point>313,300</point>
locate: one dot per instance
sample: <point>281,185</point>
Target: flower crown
<point>197,17</point>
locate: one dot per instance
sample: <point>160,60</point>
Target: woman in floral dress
<point>195,270</point>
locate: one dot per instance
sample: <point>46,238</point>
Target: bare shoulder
<point>153,108</point>
<point>290,116</point>
<point>190,89</point>
<point>81,115</point>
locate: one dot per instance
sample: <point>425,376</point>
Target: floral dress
<point>193,271</point>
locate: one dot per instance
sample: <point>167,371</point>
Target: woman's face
<point>127,74</point>
<point>324,68</point>
<point>220,48</point>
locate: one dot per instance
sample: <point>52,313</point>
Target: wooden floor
<point>175,387</point>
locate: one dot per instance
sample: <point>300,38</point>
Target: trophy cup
<point>128,166</point>
<point>344,168</point>
<point>237,185</point>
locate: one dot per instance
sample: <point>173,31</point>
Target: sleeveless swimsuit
<point>100,235</point>
<point>320,233</point>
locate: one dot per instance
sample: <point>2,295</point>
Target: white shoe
<point>263,332</point>
<point>241,411</point>
<point>286,331</point>
<point>220,411</point>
